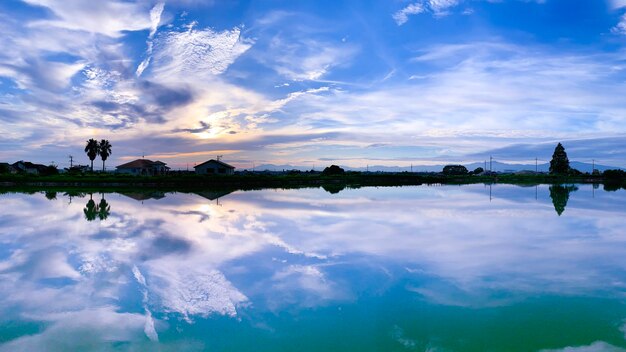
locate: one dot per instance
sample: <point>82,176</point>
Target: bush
<point>333,170</point>
<point>574,172</point>
<point>478,170</point>
<point>614,174</point>
<point>49,171</point>
<point>455,170</point>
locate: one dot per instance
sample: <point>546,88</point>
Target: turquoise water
<point>449,268</point>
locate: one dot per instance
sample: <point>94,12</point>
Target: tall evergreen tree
<point>92,149</point>
<point>105,151</point>
<point>559,163</point>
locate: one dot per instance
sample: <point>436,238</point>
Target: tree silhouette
<point>104,209</point>
<point>454,170</point>
<point>91,209</point>
<point>105,150</point>
<point>92,149</point>
<point>559,163</point>
<point>333,170</point>
<point>560,196</point>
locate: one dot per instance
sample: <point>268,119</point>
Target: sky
<point>311,83</point>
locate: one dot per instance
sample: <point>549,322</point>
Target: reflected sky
<point>446,268</point>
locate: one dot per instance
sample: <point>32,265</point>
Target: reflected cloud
<point>163,261</point>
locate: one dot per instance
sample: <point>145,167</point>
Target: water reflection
<point>411,268</point>
<point>560,196</point>
<point>101,211</point>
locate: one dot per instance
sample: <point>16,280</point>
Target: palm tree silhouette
<point>92,149</point>
<point>104,209</point>
<point>91,209</point>
<point>105,150</point>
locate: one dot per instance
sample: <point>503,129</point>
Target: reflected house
<point>213,194</point>
<point>143,167</point>
<point>214,167</point>
<point>141,196</point>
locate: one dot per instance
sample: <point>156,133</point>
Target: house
<point>214,167</point>
<point>143,167</point>
<point>7,168</point>
<point>29,168</point>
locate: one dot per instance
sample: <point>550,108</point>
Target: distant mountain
<point>496,166</point>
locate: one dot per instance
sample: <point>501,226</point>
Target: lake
<point>425,268</point>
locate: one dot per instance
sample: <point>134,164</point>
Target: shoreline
<point>260,181</point>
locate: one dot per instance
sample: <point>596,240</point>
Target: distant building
<point>28,167</point>
<point>79,169</point>
<point>214,167</point>
<point>143,167</point>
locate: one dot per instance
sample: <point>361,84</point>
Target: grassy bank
<point>98,181</point>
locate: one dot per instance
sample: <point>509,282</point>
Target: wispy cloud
<point>402,16</point>
<point>109,18</point>
<point>197,52</point>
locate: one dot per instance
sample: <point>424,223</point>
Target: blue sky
<point>313,82</point>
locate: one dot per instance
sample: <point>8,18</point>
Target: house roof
<point>19,165</point>
<point>215,161</point>
<point>139,164</point>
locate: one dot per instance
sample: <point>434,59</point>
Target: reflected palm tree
<point>104,209</point>
<point>51,195</point>
<point>560,196</point>
<point>91,209</point>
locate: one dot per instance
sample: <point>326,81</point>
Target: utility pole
<point>71,161</point>
<point>411,168</point>
<point>593,167</point>
<point>219,157</point>
<point>490,163</point>
<point>536,166</point>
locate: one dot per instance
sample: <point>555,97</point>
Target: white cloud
<point>307,59</point>
<point>620,28</point>
<point>197,53</point>
<point>440,7</point>
<point>155,18</point>
<point>402,16</point>
<point>110,18</point>
<point>616,4</point>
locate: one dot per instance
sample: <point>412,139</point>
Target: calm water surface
<point>468,268</point>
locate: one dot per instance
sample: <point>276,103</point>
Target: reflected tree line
<point>101,210</point>
<point>92,210</point>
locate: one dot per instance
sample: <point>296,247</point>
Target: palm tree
<point>92,149</point>
<point>105,151</point>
